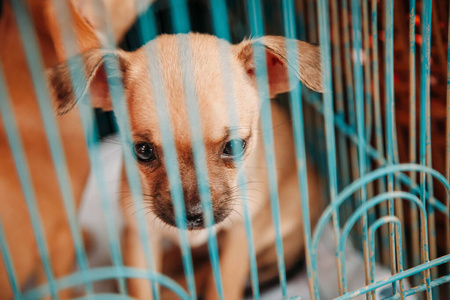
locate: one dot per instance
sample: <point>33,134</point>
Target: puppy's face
<point>146,78</point>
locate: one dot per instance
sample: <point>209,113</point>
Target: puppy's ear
<point>308,63</point>
<point>70,80</point>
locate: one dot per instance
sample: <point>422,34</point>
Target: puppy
<point>13,209</point>
<point>209,79</point>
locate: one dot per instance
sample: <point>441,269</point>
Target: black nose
<point>194,221</point>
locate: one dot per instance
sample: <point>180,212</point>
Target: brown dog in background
<point>13,209</point>
<point>208,78</point>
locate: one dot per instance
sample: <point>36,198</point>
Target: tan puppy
<point>212,103</point>
<point>13,210</point>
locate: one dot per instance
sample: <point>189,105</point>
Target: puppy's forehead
<point>199,57</point>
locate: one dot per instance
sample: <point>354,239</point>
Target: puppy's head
<point>223,143</point>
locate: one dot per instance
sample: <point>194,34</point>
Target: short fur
<point>209,87</point>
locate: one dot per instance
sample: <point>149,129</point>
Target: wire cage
<point>378,136</point>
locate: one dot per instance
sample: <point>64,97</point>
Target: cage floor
<point>297,285</point>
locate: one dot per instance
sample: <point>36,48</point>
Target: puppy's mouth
<point>194,221</point>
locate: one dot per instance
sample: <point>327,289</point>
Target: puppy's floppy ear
<point>88,71</point>
<point>308,71</point>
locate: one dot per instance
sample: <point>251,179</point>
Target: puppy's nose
<point>194,220</point>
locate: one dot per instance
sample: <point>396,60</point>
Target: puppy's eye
<point>144,152</point>
<point>234,147</point>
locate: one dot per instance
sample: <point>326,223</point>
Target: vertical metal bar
<point>372,260</point>
<point>180,21</point>
<point>389,50</point>
<point>119,104</point>
<point>372,230</point>
<point>367,74</point>
<point>171,163</point>
<point>424,106</point>
<point>412,128</point>
<point>357,69</point>
<point>368,100</point>
<point>396,222</point>
<point>317,119</point>
<point>350,95</point>
<point>147,30</point>
<point>221,29</point>
<point>431,200</point>
<point>431,209</point>
<point>323,15</point>
<point>379,127</point>
<point>13,135</point>
<point>317,129</point>
<point>71,48</point>
<point>305,33</point>
<point>257,29</point>
<point>200,164</point>
<point>298,127</point>
<point>399,251</point>
<point>344,178</point>
<point>398,204</point>
<point>30,44</point>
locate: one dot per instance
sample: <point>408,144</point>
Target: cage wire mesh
<point>378,136</point>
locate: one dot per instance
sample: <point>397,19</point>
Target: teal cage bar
<point>385,176</point>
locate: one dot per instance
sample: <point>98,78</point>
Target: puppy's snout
<point>194,216</point>
<point>194,221</point>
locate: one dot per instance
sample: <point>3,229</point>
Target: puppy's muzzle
<point>194,221</point>
<point>194,216</point>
